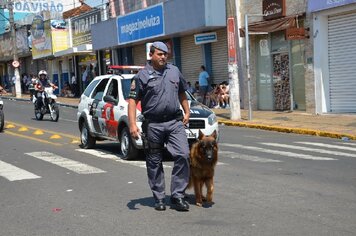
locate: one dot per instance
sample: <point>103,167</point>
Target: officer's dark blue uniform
<point>158,92</point>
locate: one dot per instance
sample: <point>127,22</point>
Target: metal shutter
<point>139,54</point>
<point>342,62</point>
<point>219,58</point>
<point>192,58</point>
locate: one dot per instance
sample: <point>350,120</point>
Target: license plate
<point>190,134</point>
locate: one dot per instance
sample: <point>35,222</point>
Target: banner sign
<point>81,27</point>
<point>41,38</point>
<point>317,5</point>
<point>231,41</point>
<point>60,36</point>
<point>141,24</point>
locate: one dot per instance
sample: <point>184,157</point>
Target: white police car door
<point>97,106</point>
<point>107,121</point>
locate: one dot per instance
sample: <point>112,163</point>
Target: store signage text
<point>84,25</point>
<point>231,41</point>
<point>205,38</point>
<point>141,24</point>
<point>295,33</point>
<point>37,6</point>
<point>273,9</point>
<point>81,27</point>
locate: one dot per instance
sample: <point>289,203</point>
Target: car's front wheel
<point>2,120</point>
<point>87,141</point>
<point>128,149</point>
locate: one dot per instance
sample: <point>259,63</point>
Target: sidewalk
<point>341,126</point>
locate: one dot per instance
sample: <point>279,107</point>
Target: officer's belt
<point>162,118</point>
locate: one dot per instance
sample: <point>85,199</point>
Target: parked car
<point>103,114</point>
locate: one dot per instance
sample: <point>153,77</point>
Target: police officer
<point>42,83</point>
<point>161,89</point>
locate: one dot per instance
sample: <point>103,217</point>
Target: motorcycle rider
<point>41,84</point>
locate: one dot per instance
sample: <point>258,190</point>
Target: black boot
<point>179,204</point>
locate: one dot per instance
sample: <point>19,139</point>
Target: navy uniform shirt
<point>44,83</point>
<point>158,90</point>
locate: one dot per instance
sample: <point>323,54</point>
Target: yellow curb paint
<point>75,141</point>
<point>23,129</point>
<point>10,126</point>
<point>287,130</point>
<point>38,132</point>
<point>55,136</point>
<point>31,138</point>
<point>47,131</point>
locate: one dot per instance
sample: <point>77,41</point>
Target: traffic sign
<point>15,64</point>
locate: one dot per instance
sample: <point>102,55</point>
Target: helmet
<point>42,72</point>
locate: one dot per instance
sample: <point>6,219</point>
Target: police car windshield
<point>126,84</point>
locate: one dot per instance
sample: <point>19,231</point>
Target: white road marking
<point>345,143</point>
<point>75,166</point>
<point>278,152</point>
<point>235,155</point>
<point>329,146</point>
<point>310,149</point>
<point>14,173</point>
<point>107,155</point>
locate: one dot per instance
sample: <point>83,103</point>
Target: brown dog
<point>203,159</point>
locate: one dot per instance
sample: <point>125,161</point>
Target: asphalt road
<point>266,183</point>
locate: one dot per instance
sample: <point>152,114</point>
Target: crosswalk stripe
<point>329,146</point>
<point>278,152</point>
<point>75,166</point>
<point>235,155</point>
<point>309,149</point>
<point>14,173</point>
<point>106,155</point>
<point>350,144</point>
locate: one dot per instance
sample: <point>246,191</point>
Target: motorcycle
<point>2,117</point>
<point>49,105</point>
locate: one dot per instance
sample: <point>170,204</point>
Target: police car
<point>103,113</point>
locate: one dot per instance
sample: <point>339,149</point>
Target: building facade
<point>279,47</point>
<point>194,30</point>
<point>334,38</point>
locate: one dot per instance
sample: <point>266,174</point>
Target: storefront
<point>159,22</point>
<point>334,55</point>
<point>277,58</point>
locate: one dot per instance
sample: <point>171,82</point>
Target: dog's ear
<point>201,135</point>
<point>213,134</point>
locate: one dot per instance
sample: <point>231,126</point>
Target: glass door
<point>263,74</point>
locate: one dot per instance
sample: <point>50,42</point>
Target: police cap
<point>160,46</point>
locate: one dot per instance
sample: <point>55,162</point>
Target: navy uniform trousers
<point>173,134</point>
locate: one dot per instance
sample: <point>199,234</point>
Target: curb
<point>247,125</point>
<point>288,130</point>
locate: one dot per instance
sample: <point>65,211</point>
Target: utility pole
<point>233,53</point>
<point>15,62</point>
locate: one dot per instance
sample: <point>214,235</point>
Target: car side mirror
<point>111,99</point>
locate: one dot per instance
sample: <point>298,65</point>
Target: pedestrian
<point>203,84</point>
<point>31,87</point>
<point>190,88</point>
<point>74,84</point>
<point>161,89</point>
<point>13,85</point>
<point>2,90</point>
